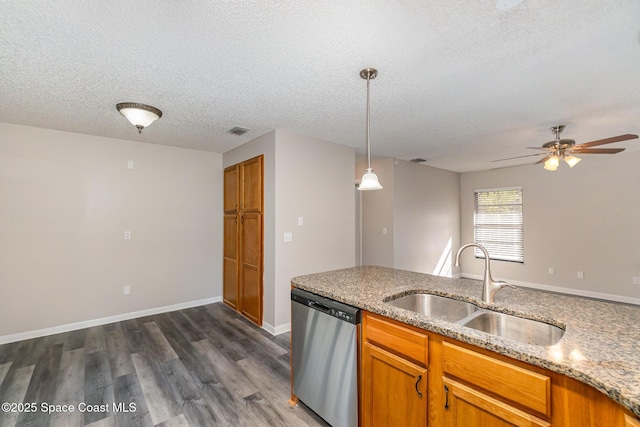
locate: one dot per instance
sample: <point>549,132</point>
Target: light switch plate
<point>288,237</point>
<point>635,280</point>
<point>552,270</point>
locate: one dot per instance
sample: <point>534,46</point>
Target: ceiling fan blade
<point>609,140</point>
<point>517,157</point>
<point>541,148</point>
<point>544,159</point>
<point>596,150</point>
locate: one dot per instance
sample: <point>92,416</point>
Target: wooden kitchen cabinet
<point>393,374</point>
<point>394,391</point>
<point>631,422</point>
<point>468,407</point>
<point>230,267</point>
<point>251,266</point>
<point>231,189</point>
<point>506,381</point>
<point>243,251</point>
<point>467,386</point>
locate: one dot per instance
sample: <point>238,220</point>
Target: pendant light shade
<point>552,163</point>
<point>139,115</point>
<point>571,160</point>
<point>369,180</point>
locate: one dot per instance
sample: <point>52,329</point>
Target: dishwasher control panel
<point>328,306</point>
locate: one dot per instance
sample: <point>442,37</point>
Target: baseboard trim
<point>569,291</point>
<point>5,339</point>
<point>276,330</point>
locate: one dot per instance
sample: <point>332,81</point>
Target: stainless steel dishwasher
<point>324,351</point>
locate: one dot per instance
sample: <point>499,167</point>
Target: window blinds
<point>498,223</point>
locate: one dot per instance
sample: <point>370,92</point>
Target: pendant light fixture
<point>139,115</point>
<point>369,180</point>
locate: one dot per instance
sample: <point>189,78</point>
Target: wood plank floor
<point>203,366</point>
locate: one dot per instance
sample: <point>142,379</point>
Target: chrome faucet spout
<point>489,286</point>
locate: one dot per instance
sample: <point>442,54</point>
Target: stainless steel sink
<point>515,328</point>
<point>437,307</point>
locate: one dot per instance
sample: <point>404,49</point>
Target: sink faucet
<point>489,286</point>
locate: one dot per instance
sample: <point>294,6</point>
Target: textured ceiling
<point>460,82</point>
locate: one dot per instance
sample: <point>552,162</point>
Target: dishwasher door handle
<point>319,306</point>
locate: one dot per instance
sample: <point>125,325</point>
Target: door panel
<point>394,390</point>
<point>230,261</point>
<point>251,267</point>
<point>252,185</point>
<point>467,407</point>
<point>231,189</point>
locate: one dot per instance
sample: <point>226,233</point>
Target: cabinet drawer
<point>397,338</point>
<point>511,382</point>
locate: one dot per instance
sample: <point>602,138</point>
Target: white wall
<point>377,214</point>
<point>582,219</point>
<point>426,217</point>
<point>313,179</point>
<point>66,200</point>
<point>420,208</point>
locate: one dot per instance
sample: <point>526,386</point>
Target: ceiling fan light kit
<point>566,148</point>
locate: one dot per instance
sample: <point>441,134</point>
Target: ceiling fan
<point>565,149</point>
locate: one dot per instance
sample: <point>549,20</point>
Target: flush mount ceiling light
<point>139,115</point>
<point>369,180</point>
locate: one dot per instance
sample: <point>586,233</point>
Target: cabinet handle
<point>417,389</point>
<point>446,397</point>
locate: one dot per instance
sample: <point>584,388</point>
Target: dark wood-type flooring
<point>203,366</point>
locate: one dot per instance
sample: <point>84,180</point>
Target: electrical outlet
<point>552,270</point>
<point>288,237</point>
<point>580,275</point>
<point>384,230</point>
<point>127,235</point>
<point>635,280</point>
<point>126,290</point>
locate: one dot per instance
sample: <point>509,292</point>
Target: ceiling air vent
<point>238,130</point>
<point>418,160</point>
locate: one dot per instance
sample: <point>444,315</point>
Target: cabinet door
<point>231,189</point>
<point>394,390</point>
<point>631,422</point>
<point>251,267</point>
<point>467,407</point>
<point>251,194</point>
<point>230,261</point>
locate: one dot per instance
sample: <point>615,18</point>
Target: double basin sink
<point>463,313</point>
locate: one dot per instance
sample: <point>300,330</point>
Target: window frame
<point>507,242</point>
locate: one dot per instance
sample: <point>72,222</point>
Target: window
<point>498,223</point>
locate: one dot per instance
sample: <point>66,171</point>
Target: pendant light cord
<point>368,125</point>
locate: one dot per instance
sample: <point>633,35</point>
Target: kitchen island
<point>600,347</point>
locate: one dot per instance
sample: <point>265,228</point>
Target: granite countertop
<point>601,345</point>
